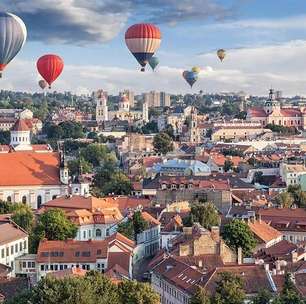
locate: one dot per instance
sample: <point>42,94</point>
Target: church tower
<point>101,107</point>
<point>20,136</point>
<point>271,104</point>
<point>124,104</point>
<point>194,132</point>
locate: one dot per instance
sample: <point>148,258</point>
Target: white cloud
<point>253,70</point>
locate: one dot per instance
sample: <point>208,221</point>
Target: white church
<point>31,174</point>
<point>124,112</point>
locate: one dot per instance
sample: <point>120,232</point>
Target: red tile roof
<point>150,219</point>
<point>263,231</point>
<point>257,112</point>
<point>29,169</point>
<point>20,125</point>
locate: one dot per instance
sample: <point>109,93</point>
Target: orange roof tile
<point>264,231</point>
<point>29,168</point>
<point>20,125</point>
<point>149,218</point>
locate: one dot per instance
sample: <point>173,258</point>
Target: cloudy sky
<point>265,42</point>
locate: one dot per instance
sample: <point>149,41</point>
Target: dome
<point>20,125</point>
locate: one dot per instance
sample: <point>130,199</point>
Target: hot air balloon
<point>13,34</point>
<point>153,62</point>
<point>221,54</point>
<point>196,69</point>
<point>190,77</point>
<point>143,40</point>
<point>43,84</point>
<point>50,67</point>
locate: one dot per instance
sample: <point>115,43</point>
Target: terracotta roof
<point>119,261</point>
<point>150,161</point>
<point>150,219</point>
<point>20,125</point>
<point>10,232</point>
<point>290,112</point>
<point>219,159</point>
<point>121,238</point>
<point>30,168</point>
<point>257,112</point>
<point>263,231</point>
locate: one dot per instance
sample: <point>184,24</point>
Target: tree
<point>263,297</point>
<point>139,223</point>
<point>5,137</point>
<point>200,297</point>
<point>127,229</point>
<point>150,127</point>
<point>118,184</point>
<point>204,213</point>
<point>162,143</point>
<point>23,216</point>
<point>71,129</point>
<point>78,166</point>
<point>229,289</point>
<point>238,234</point>
<point>285,199</point>
<point>6,207</point>
<point>228,165</point>
<point>133,292</point>
<point>298,195</point>
<point>53,225</point>
<point>98,155</point>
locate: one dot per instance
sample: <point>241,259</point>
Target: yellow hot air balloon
<point>196,70</point>
<point>221,54</point>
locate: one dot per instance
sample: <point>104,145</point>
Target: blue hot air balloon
<point>190,77</point>
<point>153,62</point>
<point>13,34</point>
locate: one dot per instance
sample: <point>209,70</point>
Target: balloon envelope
<point>196,69</point>
<point>153,62</point>
<point>221,54</point>
<point>13,34</point>
<point>190,77</point>
<point>50,67</point>
<point>143,40</point>
<point>42,83</point>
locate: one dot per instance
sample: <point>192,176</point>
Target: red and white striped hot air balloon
<point>143,40</point>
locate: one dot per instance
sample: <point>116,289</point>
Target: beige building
<point>291,174</point>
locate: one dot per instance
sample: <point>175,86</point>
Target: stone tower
<point>101,107</point>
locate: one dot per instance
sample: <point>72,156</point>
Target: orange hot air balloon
<point>50,67</point>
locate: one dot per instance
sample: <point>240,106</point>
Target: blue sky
<point>89,36</point>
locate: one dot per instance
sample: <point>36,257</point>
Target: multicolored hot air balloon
<point>221,54</point>
<point>43,84</point>
<point>13,34</point>
<point>50,67</point>
<point>190,77</point>
<point>143,40</point>
<point>153,62</point>
<point>196,69</point>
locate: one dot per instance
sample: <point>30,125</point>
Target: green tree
<point>6,207</point>
<point>298,195</point>
<point>238,234</point>
<point>127,229</point>
<point>23,216</point>
<point>229,289</point>
<point>139,223</point>
<point>285,199</point>
<point>133,292</point>
<point>204,213</point>
<point>5,137</point>
<point>228,165</point>
<point>200,297</point>
<point>52,225</point>
<point>79,166</point>
<point>162,143</point>
<point>263,297</point>
<point>98,155</point>
<point>118,184</point>
<point>72,129</point>
<point>150,127</point>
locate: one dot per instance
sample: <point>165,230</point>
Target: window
<point>84,234</point>
<point>54,197</point>
<point>25,245</point>
<point>98,233</point>
<point>9,199</point>
<point>99,252</point>
<point>20,246</point>
<point>39,200</point>
<point>42,267</point>
<point>77,253</point>
<point>32,264</point>
<point>12,249</point>
<point>2,253</point>
<point>16,248</point>
<point>24,264</point>
<point>86,253</point>
<point>7,251</point>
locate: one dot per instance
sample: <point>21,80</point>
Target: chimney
<point>239,256</point>
<point>267,266</point>
<point>215,233</point>
<point>278,266</point>
<point>200,264</point>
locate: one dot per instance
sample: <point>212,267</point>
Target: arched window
<point>54,197</point>
<point>24,199</point>
<point>9,199</point>
<point>39,201</point>
<point>98,233</point>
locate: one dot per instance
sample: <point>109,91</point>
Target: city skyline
<point>265,46</point>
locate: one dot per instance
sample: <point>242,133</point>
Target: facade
<point>13,243</point>
<point>157,99</point>
<point>103,255</point>
<point>39,173</point>
<point>291,174</point>
<point>273,113</point>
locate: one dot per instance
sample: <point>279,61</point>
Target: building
<point>39,173</point>
<point>152,99</point>
<point>114,252</point>
<point>165,100</point>
<point>130,96</point>
<point>273,113</point>
<point>148,241</point>
<point>291,174</point>
<point>13,243</point>
<point>124,113</point>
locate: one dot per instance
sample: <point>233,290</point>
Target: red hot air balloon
<point>50,67</point>
<point>143,40</point>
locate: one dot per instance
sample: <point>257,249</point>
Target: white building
<point>32,174</point>
<point>13,242</point>
<point>291,174</point>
